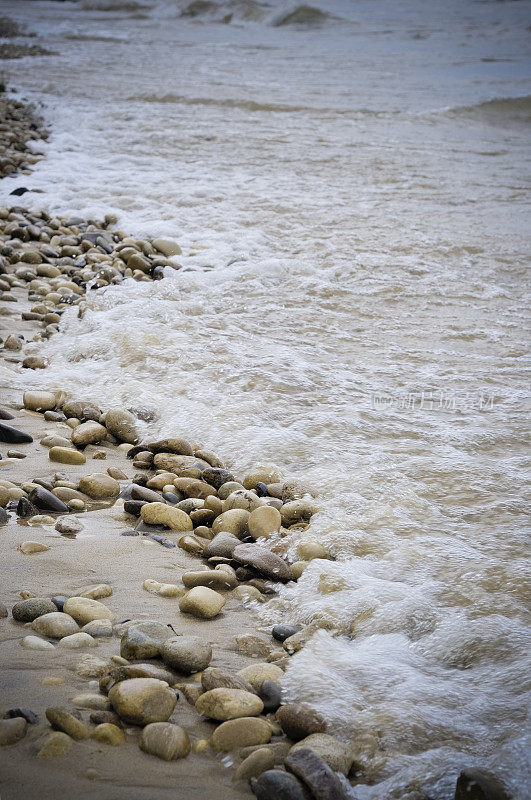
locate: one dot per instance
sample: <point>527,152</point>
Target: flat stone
<point>298,720</point>
<point>56,625</point>
<point>263,561</point>
<point>12,730</point>
<point>224,704</point>
<point>297,511</point>
<point>252,645</point>
<point>39,401</point>
<point>164,514</point>
<point>144,640</point>
<point>280,785</point>
<point>55,745</point>
<point>143,700</point>
<point>186,654</point>
<point>12,435</point>
<point>91,667</point>
<point>108,733</point>
<point>167,247</point>
<point>95,592</point>
<point>176,463</point>
<point>241,498</point>
<point>240,732</point>
<point>99,486</point>
<point>44,500</point>
<point>164,740</point>
<point>98,628</point>
<point>163,589</point>
<point>202,602</point>
<point>222,545</point>
<point>256,674</point>
<point>69,526</point>
<point>25,713</point>
<point>66,455</point>
<point>263,522</point>
<point>122,424</point>
<point>315,773</point>
<point>253,766</point>
<point>309,548</point>
<point>234,521</point>
<point>67,723</point>
<point>88,700</point>
<point>28,610</point>
<point>228,488</point>
<point>216,477</point>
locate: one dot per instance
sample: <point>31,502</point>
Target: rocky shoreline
<point>150,560</point>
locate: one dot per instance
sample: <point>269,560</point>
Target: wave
<point>303,16</point>
<point>226,12</point>
<point>245,105</point>
<point>497,110</point>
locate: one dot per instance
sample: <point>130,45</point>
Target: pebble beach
<point>196,608</point>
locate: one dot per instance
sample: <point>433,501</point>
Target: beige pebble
<point>66,455</point>
<point>28,548</point>
<point>55,745</point>
<point>108,734</point>
<point>202,602</point>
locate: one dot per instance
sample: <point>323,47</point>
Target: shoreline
<point>47,265</point>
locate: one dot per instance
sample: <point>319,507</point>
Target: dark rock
<point>25,713</point>
<point>263,561</point>
<point>46,484</point>
<point>261,489</point>
<point>28,610</point>
<point>163,540</point>
<point>216,477</point>
<point>46,501</point>
<point>130,533</point>
<point>4,517</point>
<point>5,414</point>
<point>173,497</point>
<point>298,720</point>
<point>59,600</point>
<point>478,784</point>
<point>270,695</point>
<point>20,191</point>
<point>13,435</point>
<point>138,448</point>
<point>25,508</point>
<point>274,784</point>
<point>145,494</point>
<point>133,507</point>
<point>282,632</point>
<point>315,773</point>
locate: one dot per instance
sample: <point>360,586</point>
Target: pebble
<point>222,545</point>
<point>108,733</point>
<point>252,645</point>
<point>263,522</point>
<point>298,720</point>
<point>166,247</point>
<point>16,454</point>
<point>88,433</point>
<point>39,401</point>
<point>142,700</point>
<point>202,602</point>
<point>270,694</point>
<point>338,755</point>
<point>241,498</point>
<point>256,674</point>
<point>186,654</point>
<point>253,766</point>
<point>144,639</point>
<point>274,783</point>
<point>310,548</point>
<point>263,561</point>
<point>164,514</point>
<point>12,730</point>
<point>265,474</point>
<point>67,723</point>
<point>213,578</point>
<point>95,592</point>
<point>224,704</point>
<point>122,424</point>
<point>76,641</point>
<point>69,526</point>
<point>91,667</point>
<point>76,504</point>
<point>87,700</point>
<point>40,519</point>
<point>297,568</point>
<point>99,486</point>
<point>84,610</point>
<point>214,678</point>
<point>34,643</point>
<point>56,625</point>
<point>28,610</point>
<point>315,773</point>
<point>25,713</point>
<point>163,589</point>
<point>227,488</point>
<point>28,548</point>
<point>3,611</point>
<point>234,521</point>
<point>164,740</point>
<point>282,632</point>
<point>55,745</point>
<point>240,732</point>
<point>297,511</point>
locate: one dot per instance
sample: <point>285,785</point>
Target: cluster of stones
<point>56,260</point>
<point>19,124</point>
<point>283,748</point>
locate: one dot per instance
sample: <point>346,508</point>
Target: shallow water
<point>349,190</point>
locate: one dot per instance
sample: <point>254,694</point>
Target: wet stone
<point>242,732</point>
<point>275,783</point>
<point>144,640</point>
<point>28,610</point>
<point>315,773</point>
<point>44,500</point>
<point>12,730</point>
<point>164,740</point>
<point>64,721</point>
<point>13,435</point>
<point>186,654</point>
<point>270,694</point>
<point>142,700</point>
<point>25,713</point>
<point>298,720</point>
<point>283,632</point>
